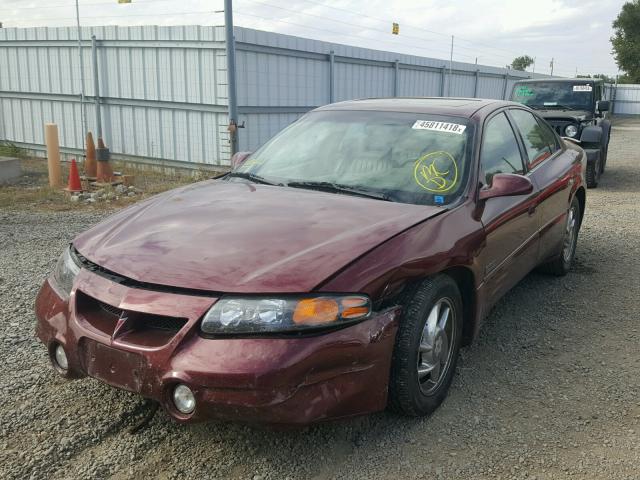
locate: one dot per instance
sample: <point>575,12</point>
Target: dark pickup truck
<point>576,109</point>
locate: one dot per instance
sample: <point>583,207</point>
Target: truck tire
<point>605,144</point>
<point>594,166</point>
<point>605,154</point>
<point>426,348</point>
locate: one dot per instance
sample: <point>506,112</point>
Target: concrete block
<point>9,169</point>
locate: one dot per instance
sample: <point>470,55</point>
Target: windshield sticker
<point>439,126</point>
<point>582,88</point>
<point>524,92</point>
<point>436,172</point>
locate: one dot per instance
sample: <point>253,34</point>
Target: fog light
<point>183,399</point>
<point>61,357</point>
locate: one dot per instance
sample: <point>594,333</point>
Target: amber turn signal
<point>354,307</point>
<point>318,310</point>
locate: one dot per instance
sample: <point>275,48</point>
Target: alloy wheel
<point>435,349</point>
<point>570,235</point>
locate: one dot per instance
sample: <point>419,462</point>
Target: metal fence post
<point>396,78</point>
<point>443,76</point>
<point>332,77</point>
<point>475,85</point>
<point>506,83</point>
<point>96,86</point>
<point>230,44</point>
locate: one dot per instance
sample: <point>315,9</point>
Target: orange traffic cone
<point>90,163</point>
<point>105,171</point>
<point>74,178</point>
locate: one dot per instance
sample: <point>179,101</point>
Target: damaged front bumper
<point>148,342</point>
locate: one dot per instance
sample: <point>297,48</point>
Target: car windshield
<point>554,95</point>
<point>402,157</point>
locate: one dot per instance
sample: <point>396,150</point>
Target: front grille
<point>170,324</point>
<point>139,328</point>
<point>110,309</point>
<point>560,125</point>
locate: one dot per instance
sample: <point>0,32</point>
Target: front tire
<point>427,347</point>
<point>561,265</point>
<point>593,170</point>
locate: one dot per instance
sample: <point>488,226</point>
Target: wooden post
<point>53,155</point>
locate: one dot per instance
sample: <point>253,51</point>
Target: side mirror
<point>239,158</point>
<point>506,185</point>
<point>603,106</point>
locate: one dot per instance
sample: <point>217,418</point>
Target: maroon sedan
<point>336,271</point>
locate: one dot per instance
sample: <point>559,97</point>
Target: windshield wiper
<point>252,177</point>
<point>337,188</point>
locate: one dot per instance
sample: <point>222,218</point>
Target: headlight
<point>571,131</point>
<point>269,314</point>
<point>66,270</point>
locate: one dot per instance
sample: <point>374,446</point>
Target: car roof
<point>460,107</point>
<point>561,80</point>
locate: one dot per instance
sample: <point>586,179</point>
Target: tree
<point>626,41</point>
<point>521,63</point>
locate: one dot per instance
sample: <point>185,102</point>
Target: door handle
<point>531,210</point>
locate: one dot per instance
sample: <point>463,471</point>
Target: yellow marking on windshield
<point>436,172</point>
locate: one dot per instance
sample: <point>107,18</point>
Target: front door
<point>511,223</point>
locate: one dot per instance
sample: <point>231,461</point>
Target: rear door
<point>549,168</point>
<point>511,223</point>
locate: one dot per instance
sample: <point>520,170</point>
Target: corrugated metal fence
<point>163,90</point>
<point>625,99</point>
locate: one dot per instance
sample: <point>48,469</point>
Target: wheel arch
<point>581,195</point>
<point>465,280</point>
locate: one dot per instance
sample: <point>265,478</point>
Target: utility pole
<point>83,112</point>
<point>551,65</point>
<point>450,69</point>
<point>534,66</point>
<point>231,75</point>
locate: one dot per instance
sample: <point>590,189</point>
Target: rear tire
<point>427,347</point>
<point>561,265</point>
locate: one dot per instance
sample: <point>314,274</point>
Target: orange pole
<point>53,155</point>
<point>90,162</point>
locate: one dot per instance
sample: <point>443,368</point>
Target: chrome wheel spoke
<point>432,322</point>
<point>444,354</point>
<point>425,369</point>
<point>425,347</point>
<point>444,318</point>
<point>435,373</point>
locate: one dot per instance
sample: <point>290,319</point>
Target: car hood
<point>241,237</point>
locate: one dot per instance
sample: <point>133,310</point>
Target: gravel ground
<point>550,390</point>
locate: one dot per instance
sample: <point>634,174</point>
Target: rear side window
<point>500,152</point>
<point>536,138</point>
<point>548,136</point>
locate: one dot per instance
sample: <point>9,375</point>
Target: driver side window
<point>500,151</point>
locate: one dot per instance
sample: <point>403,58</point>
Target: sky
<point>574,33</point>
